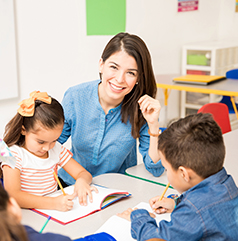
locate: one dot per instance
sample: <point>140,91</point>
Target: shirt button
<point>111,111</point>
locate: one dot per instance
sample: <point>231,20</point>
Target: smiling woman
<point>104,117</point>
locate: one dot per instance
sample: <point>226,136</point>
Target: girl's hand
<point>150,109</point>
<point>166,205</point>
<point>82,189</point>
<point>64,202</point>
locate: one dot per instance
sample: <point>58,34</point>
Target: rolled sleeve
<point>143,226</point>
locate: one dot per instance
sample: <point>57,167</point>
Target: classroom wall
<point>54,53</point>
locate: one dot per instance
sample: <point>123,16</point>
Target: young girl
<point>32,137</point>
<point>10,226</point>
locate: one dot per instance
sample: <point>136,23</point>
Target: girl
<point>32,137</point>
<point>114,111</point>
<point>10,226</point>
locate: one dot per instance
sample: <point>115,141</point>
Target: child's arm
<point>166,205</point>
<point>12,184</point>
<point>83,180</point>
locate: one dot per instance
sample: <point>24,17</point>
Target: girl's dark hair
<point>10,228</point>
<point>135,47</point>
<point>48,115</point>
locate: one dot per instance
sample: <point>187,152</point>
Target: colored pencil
<point>48,219</point>
<point>58,181</point>
<point>165,190</point>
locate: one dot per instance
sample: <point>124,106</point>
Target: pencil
<point>48,219</point>
<point>165,190</point>
<point>57,179</point>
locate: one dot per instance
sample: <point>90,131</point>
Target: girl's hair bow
<point>27,106</point>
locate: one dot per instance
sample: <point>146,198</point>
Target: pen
<point>48,219</point>
<point>165,190</point>
<point>58,181</point>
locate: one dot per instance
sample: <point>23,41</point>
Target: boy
<point>192,151</point>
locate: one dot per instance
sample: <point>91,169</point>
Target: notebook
<point>198,79</point>
<point>105,197</point>
<point>120,228</point>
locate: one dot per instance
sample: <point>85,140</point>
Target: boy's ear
<point>184,173</point>
<point>23,130</point>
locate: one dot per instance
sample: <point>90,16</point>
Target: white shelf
<point>214,58</point>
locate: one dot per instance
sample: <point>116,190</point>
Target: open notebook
<point>198,79</point>
<point>105,197</point>
<point>120,228</point>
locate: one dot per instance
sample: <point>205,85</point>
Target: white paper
<point>120,228</point>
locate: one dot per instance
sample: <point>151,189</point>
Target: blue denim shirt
<point>101,143</point>
<point>207,211</point>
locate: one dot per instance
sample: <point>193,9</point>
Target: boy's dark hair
<point>194,142</point>
<point>48,115</point>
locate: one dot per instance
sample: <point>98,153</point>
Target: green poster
<point>105,17</point>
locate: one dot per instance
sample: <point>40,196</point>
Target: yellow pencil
<point>57,179</point>
<point>165,190</point>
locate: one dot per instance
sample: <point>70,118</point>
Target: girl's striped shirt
<point>36,173</point>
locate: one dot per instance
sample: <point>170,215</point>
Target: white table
<point>231,162</point>
<point>141,192</point>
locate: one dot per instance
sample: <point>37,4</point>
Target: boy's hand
<point>127,214</point>
<point>64,202</point>
<point>82,189</point>
<point>166,205</point>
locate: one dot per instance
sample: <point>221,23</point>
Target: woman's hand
<point>166,205</point>
<point>150,109</point>
<point>82,189</point>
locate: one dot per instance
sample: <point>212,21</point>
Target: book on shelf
<point>198,79</point>
<point>102,199</point>
<point>120,228</point>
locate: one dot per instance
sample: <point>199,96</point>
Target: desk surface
<point>228,87</point>
<point>141,191</point>
<point>231,162</point>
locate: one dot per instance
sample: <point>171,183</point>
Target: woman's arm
<point>150,109</point>
<point>12,184</point>
<point>148,146</point>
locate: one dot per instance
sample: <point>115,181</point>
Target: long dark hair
<point>49,115</point>
<point>10,228</point>
<point>135,47</point>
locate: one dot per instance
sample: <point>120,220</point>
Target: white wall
<point>53,51</point>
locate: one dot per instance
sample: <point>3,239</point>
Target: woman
<point>104,117</point>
